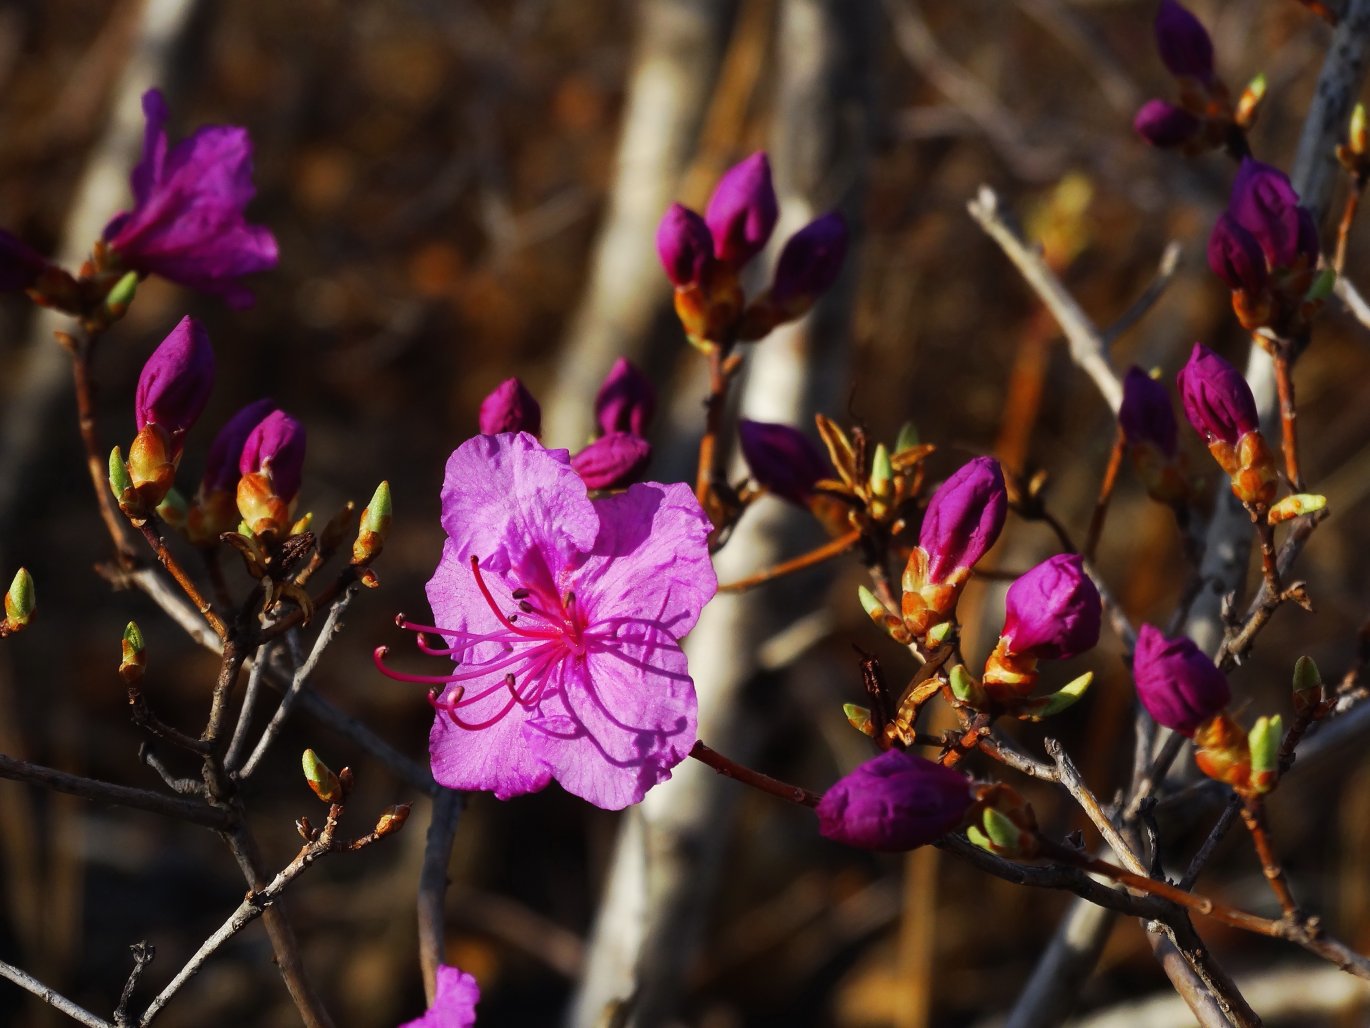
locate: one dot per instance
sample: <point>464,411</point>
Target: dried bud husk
<point>321,779</point>
<point>133,655</point>
<point>19,602</point>
<point>392,819</point>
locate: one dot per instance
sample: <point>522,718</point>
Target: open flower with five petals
<point>564,616</point>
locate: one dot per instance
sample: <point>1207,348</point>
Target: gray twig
<point>254,685</point>
<point>432,906</point>
<point>52,997</point>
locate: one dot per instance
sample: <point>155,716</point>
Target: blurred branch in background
<point>669,849</point>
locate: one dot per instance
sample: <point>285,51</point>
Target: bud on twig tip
<point>19,601</point>
<point>320,778</point>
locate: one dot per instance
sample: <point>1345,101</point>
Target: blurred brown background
<point>438,175</point>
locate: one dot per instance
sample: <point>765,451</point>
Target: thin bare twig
<point>52,997</point>
<point>238,742</point>
<point>437,853</point>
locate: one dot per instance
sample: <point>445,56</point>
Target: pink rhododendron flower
<point>564,616</point>
<point>454,1006</point>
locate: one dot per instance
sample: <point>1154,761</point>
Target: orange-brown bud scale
<point>925,604</point>
<point>1164,479</point>
<point>1221,751</point>
<point>211,516</point>
<point>152,465</point>
<point>1257,478</point>
<point>262,510</point>
<point>1009,676</point>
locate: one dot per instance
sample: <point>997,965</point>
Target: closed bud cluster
<point>1265,247</point>
<point>1053,612</point>
<point>19,603</point>
<point>1204,117</point>
<point>1220,407</point>
<point>1152,437</point>
<point>1179,687</point>
<point>702,258</point>
<point>271,468</point>
<point>963,520</point>
<point>893,802</point>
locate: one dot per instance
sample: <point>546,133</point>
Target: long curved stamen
<point>529,633</point>
<point>537,674</point>
<point>475,726</point>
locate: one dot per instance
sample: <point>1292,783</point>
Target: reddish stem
<point>747,776</point>
<point>1253,815</point>
<point>827,551</point>
<point>1289,434</point>
<point>1096,521</point>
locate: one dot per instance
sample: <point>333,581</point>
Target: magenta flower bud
<point>1146,414</point>
<point>782,459</point>
<point>1179,687</point>
<point>1183,42</point>
<point>612,461</point>
<point>176,380</point>
<point>684,245</point>
<point>1236,257</point>
<point>964,518</point>
<point>742,212</point>
<point>275,448</point>
<point>221,466</point>
<point>896,801</point>
<point>20,264</point>
<point>1264,203</point>
<point>625,401</point>
<point>1164,125</point>
<point>1217,400</point>
<point>1053,612</point>
<point>510,407</point>
<point>187,223</point>
<point>811,260</point>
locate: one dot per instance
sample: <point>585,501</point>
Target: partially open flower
<point>510,407</point>
<point>626,400</point>
<point>895,801</point>
<point>187,223</point>
<point>215,509</point>
<point>1179,686</point>
<point>1264,203</point>
<point>783,460</point>
<point>743,210</point>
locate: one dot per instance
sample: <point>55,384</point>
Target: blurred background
<point>465,190</point>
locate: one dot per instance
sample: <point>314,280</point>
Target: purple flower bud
<point>742,212</point>
<point>964,518</point>
<point>1053,612</point>
<point>625,401</point>
<point>612,461</point>
<point>187,222</point>
<point>176,380</point>
<point>811,260</point>
<point>1236,257</point>
<point>510,407</point>
<point>1163,124</point>
<point>684,245</point>
<point>1146,414</point>
<point>1264,203</point>
<point>275,448</point>
<point>896,801</point>
<point>221,466</point>
<point>782,459</point>
<point>20,264</point>
<point>1217,400</point>
<point>1179,687</point>
<point>1183,42</point>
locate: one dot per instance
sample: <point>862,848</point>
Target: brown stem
<point>1270,568</point>
<point>120,795</point>
<point>96,463</point>
<point>747,776</point>
<point>346,577</point>
<point>713,424</point>
<point>1096,521</point>
<point>437,854</point>
<point>178,573</point>
<point>1348,215</point>
<point>1289,433</point>
<point>1253,816</point>
<point>830,549</point>
<point>230,664</point>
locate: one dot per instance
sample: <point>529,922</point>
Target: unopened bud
<point>1322,286</point>
<point>1249,104</point>
<point>881,472</point>
<point>1357,137</point>
<point>1293,506</point>
<point>117,300</point>
<point>1308,691</point>
<point>884,619</point>
<point>907,438</point>
<point>859,718</point>
<point>965,688</point>
<point>133,655</point>
<point>322,780</point>
<point>392,819</point>
<point>375,523</point>
<point>1264,742</point>
<point>19,601</point>
<point>1068,695</point>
